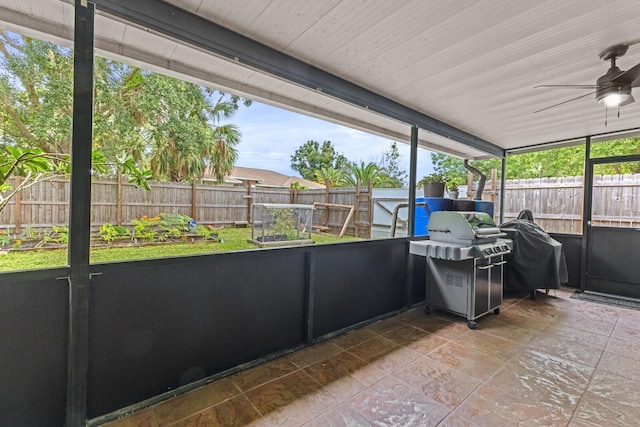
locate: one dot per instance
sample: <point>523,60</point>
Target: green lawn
<point>234,239</point>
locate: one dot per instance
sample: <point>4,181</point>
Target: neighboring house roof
<point>266,178</point>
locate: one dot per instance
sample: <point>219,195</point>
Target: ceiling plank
<point>187,27</point>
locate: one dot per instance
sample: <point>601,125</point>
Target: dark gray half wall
<point>356,282</point>
<point>33,351</point>
<point>157,326</point>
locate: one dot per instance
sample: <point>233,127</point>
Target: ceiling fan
<point>613,89</point>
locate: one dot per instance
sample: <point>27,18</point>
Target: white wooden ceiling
<point>470,63</point>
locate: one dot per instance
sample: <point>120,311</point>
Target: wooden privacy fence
<point>47,204</point>
<point>557,203</point>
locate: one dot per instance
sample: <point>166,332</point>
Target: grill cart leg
<point>472,324</point>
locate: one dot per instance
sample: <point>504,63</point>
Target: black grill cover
<point>537,260</point>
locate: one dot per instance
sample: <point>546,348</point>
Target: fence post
<point>119,201</point>
<point>326,200</point>
<point>494,185</point>
<point>470,192</point>
<point>194,198</point>
<point>250,199</point>
<point>370,207</point>
<point>17,207</point>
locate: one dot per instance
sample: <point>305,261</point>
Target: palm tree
<point>330,177</point>
<point>363,173</point>
<point>181,123</point>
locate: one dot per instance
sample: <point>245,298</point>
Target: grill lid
<point>463,227</point>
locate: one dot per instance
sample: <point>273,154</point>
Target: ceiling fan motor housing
<point>607,85</point>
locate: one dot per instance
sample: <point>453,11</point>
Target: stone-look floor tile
<point>447,387</point>
<point>594,411</point>
<point>374,348</point>
<point>624,348</point>
<point>628,330</point>
<point>455,420</point>
<point>404,335</point>
<point>440,327</point>
<point>427,344</point>
<point>620,365</point>
<point>386,325</point>
<point>384,354</point>
<point>622,390</point>
<point>490,345</point>
<point>145,418</point>
<point>507,331</point>
<point>535,376</point>
<point>464,359</point>
<point>345,375</point>
<point>352,338</point>
<point>391,402</point>
<point>291,400</point>
<point>545,303</point>
<point>415,339</point>
<point>246,380</point>
<point>490,406</point>
<point>342,416</point>
<point>393,360</point>
<point>586,322</point>
<point>592,309</point>
<point>570,334</point>
<point>415,368</point>
<point>195,401</point>
<point>572,351</point>
<point>629,315</point>
<point>409,315</point>
<point>511,297</point>
<point>236,411</point>
<point>526,317</point>
<point>313,354</point>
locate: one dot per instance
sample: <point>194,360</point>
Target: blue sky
<point>271,135</point>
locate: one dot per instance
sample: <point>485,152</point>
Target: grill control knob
<point>487,251</point>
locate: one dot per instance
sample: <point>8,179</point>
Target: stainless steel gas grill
<point>464,263</point>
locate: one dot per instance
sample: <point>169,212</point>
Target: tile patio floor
<point>551,361</point>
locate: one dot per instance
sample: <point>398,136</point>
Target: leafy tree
<point>35,93</point>
<point>566,161</point>
<point>32,165</point>
<point>450,167</point>
<point>172,126</point>
<point>390,164</point>
<point>311,157</point>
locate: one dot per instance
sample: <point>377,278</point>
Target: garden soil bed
<point>98,242</point>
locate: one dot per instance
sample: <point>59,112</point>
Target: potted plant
<point>452,188</point>
<point>433,185</point>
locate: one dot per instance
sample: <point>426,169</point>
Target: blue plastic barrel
<point>420,226</point>
<point>433,204</point>
<point>483,206</point>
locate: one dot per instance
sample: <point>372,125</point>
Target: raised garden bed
<point>278,240</point>
<point>99,242</point>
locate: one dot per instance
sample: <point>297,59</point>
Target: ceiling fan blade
<point>566,87</point>
<point>565,102</point>
<point>631,76</point>
<point>627,101</point>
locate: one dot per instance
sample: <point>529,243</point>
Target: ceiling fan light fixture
<point>613,96</point>
<point>614,99</point>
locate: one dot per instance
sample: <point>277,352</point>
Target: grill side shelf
<point>440,250</point>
